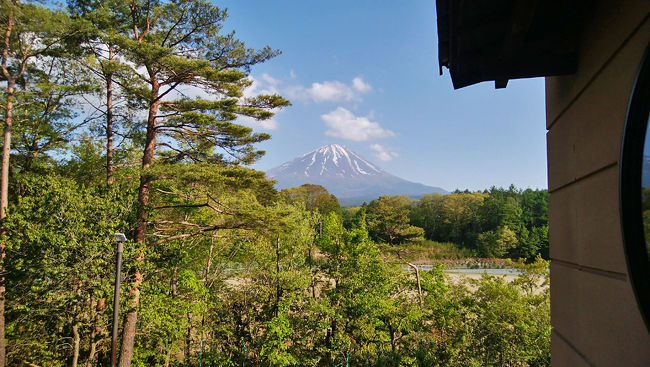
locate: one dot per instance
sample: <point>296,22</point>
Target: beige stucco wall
<point>595,317</point>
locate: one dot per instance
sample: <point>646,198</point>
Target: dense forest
<point>122,116</point>
<point>494,223</point>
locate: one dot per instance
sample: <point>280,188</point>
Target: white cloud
<point>266,125</point>
<point>331,91</point>
<point>265,84</point>
<point>269,79</point>
<point>344,124</point>
<point>360,85</point>
<point>269,124</point>
<point>382,153</point>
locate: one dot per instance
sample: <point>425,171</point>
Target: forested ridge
<point>121,116</point>
<point>502,223</point>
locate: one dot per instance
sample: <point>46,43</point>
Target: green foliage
<point>254,287</point>
<point>59,254</point>
<point>41,86</point>
<point>388,220</point>
<point>173,45</point>
<point>485,222</point>
<point>314,197</point>
<point>232,271</point>
<point>497,244</point>
<point>428,250</point>
<point>274,351</point>
<point>511,326</point>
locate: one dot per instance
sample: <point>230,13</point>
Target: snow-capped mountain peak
<point>330,161</point>
<point>345,174</point>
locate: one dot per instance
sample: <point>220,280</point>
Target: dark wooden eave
<point>499,40</point>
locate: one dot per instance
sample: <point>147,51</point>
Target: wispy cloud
<point>264,84</point>
<point>330,91</point>
<point>361,86</point>
<point>265,125</point>
<point>382,153</point>
<point>269,79</point>
<point>344,124</point>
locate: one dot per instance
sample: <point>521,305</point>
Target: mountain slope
<point>345,174</point>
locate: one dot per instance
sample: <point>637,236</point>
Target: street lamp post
<point>119,238</point>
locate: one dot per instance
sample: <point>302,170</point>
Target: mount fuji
<point>347,175</point>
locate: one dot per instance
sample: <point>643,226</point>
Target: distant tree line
<point>494,223</point>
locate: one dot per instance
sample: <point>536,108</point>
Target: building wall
<point>594,314</point>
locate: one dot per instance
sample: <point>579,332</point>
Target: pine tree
<point>30,33</point>
<point>176,47</point>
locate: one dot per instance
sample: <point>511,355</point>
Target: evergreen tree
<point>31,33</point>
<point>388,220</point>
<point>174,46</point>
<point>95,49</point>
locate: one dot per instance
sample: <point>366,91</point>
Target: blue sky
<point>364,74</point>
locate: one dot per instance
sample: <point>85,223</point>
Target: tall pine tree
<point>176,48</point>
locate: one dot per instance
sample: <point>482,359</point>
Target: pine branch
<point>197,233</point>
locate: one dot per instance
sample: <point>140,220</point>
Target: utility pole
<point>120,238</point>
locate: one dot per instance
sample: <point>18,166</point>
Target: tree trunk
<point>92,348</point>
<point>4,177</point>
<point>417,276</point>
<point>4,202</point>
<point>311,260</point>
<point>188,340</point>
<point>131,317</point>
<point>391,333</point>
<point>278,290</point>
<point>205,280</point>
<point>109,122</point>
<point>6,151</point>
<point>76,341</point>
<point>168,343</point>
<point>168,356</point>
<point>130,320</point>
<point>311,272</point>
<point>96,333</point>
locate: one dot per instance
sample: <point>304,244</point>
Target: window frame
<point>630,176</point>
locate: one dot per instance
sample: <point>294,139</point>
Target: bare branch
<point>181,223</point>
<point>197,233</point>
<point>181,206</point>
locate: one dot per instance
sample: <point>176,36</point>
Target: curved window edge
<point>630,197</point>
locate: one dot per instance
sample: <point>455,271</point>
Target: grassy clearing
<point>450,254</point>
<point>426,251</point>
